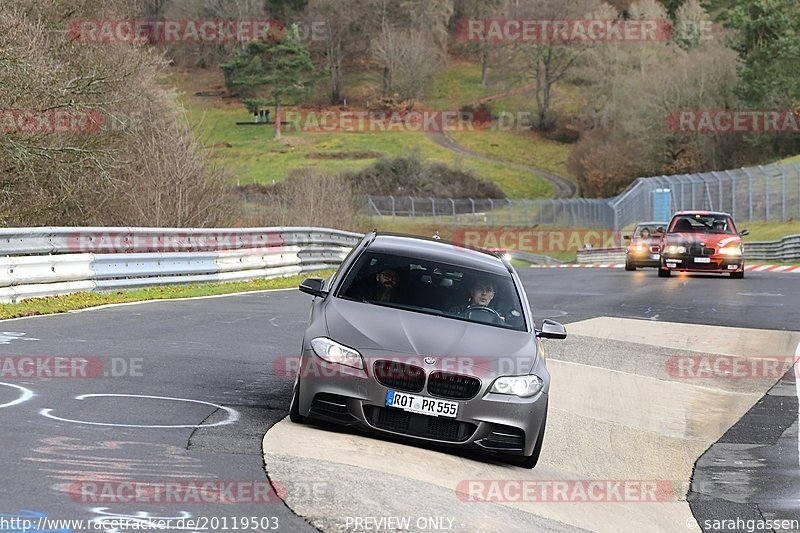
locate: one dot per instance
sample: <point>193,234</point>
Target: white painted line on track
<point>797,391</point>
<point>140,302</point>
<point>26,395</point>
<point>233,415</point>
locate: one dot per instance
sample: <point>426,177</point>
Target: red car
<point>644,248</point>
<point>702,241</point>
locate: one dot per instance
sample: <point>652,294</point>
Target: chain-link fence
<point>488,212</point>
<point>759,193</point>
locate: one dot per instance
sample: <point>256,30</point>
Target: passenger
<point>383,287</point>
<point>645,234</point>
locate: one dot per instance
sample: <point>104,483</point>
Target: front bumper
<point>649,259</point>
<point>491,422</point>
<point>715,263</point>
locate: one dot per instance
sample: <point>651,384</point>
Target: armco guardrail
<point>786,249</point>
<point>602,255</point>
<point>36,262</point>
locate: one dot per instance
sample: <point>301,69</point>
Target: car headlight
<point>676,249</point>
<point>639,249</point>
<point>734,251</point>
<point>333,352</point>
<point>522,386</point>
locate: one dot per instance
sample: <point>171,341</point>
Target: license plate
<point>421,404</point>
<point>702,259</point>
<point>732,267</point>
<point>654,256</point>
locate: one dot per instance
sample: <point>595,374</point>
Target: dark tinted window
<point>435,288</point>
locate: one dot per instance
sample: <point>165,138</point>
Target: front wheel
<point>628,266</point>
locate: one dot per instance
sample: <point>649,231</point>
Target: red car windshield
<point>702,224</point>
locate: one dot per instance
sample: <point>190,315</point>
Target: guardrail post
<point>433,206</point>
<point>491,211</point>
<point>413,213</point>
<point>453,203</point>
<point>474,216</point>
<point>394,210</point>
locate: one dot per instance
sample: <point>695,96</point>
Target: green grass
<point>793,159</point>
<point>456,86</point>
<point>82,300</point>
<point>528,149</point>
<point>769,231</point>
<point>251,154</point>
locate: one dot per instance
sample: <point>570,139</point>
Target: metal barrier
<point>770,192</point>
<point>52,261</point>
<point>602,256</point>
<point>784,250</point>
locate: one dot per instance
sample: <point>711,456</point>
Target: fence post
<point>766,191</point>
<point>453,203</point>
<point>474,216</point>
<point>491,211</point>
<point>413,212</point>
<point>394,210</point>
<point>433,206</point>
<point>796,167</point>
<point>749,193</point>
<point>783,193</point>
<point>733,193</point>
<point>719,186</point>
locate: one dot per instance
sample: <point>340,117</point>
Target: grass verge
<point>83,300</point>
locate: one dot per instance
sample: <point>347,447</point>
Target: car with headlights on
<point>702,241</point>
<point>427,341</point>
<point>644,248</point>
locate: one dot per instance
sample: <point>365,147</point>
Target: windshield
<point>435,288</point>
<point>702,224</point>
<point>648,231</point>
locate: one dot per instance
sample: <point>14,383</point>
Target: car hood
<point>717,240</point>
<point>406,336</point>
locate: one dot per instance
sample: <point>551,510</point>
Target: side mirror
<point>552,330</point>
<point>744,232</point>
<point>626,237</point>
<point>313,286</point>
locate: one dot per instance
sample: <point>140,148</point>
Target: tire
<point>664,273</point>
<point>294,405</point>
<point>530,461</point>
<point>737,275</point>
<point>628,266</point>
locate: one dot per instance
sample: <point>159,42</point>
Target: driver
<point>482,292</point>
<point>645,234</point>
<point>719,225</point>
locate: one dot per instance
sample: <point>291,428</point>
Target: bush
<point>305,198</point>
<point>408,176</point>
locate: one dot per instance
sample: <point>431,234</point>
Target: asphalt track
<point>232,352</point>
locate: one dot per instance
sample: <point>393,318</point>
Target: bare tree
<point>340,34</point>
<point>546,61</point>
<point>97,171</point>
